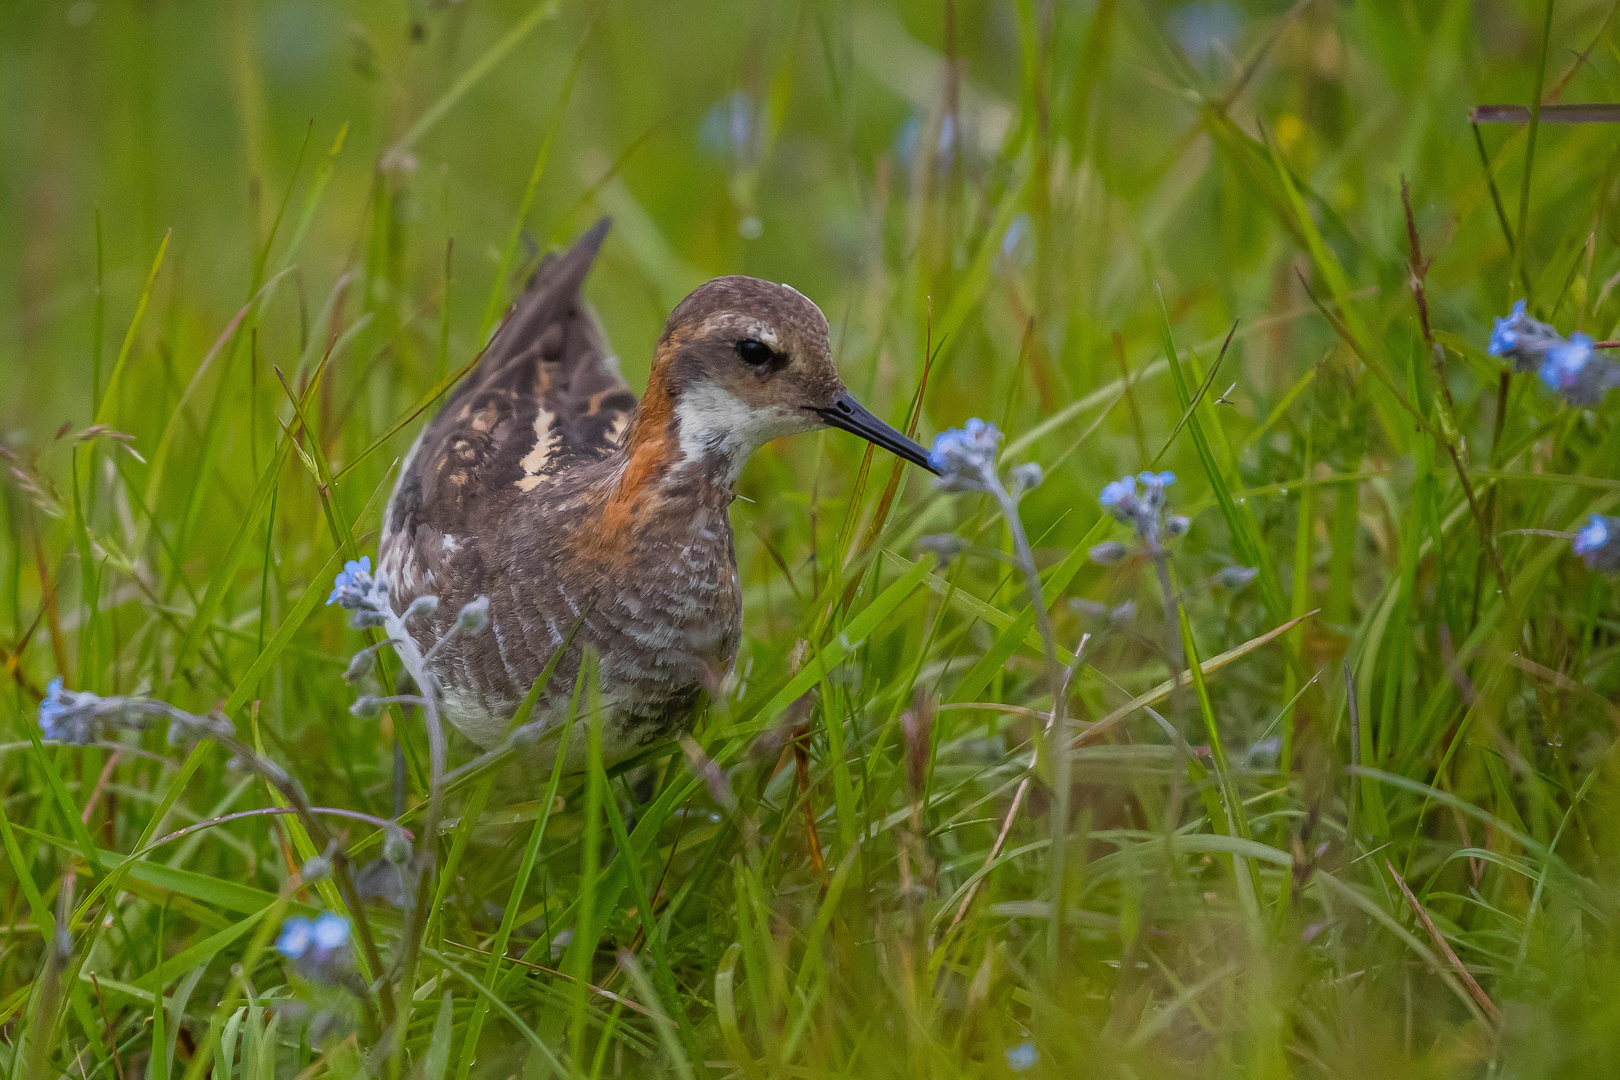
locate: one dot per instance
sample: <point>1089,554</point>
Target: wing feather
<point>547,391</point>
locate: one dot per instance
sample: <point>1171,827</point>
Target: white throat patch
<point>713,421</point>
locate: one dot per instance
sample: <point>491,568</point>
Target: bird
<point>596,520</point>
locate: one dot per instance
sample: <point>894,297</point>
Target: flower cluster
<point>319,949</point>
<point>73,716</point>
<point>80,717</point>
<point>1569,366</point>
<point>1598,542</point>
<point>364,596</point>
<point>1142,510</point>
<point>965,457</point>
<point>1522,339</point>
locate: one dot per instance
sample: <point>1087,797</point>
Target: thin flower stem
<point>267,811</point>
<point>1172,621</point>
<point>1057,740</point>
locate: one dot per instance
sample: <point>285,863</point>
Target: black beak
<point>847,413</point>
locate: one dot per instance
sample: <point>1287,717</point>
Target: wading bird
<point>543,484</point>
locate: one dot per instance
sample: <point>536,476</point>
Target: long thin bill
<point>850,415</point>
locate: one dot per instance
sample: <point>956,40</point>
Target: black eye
<point>755,353</point>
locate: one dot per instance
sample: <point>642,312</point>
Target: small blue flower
<point>906,143</point>
<point>331,932</point>
<point>1117,492</point>
<point>1504,332</point>
<point>297,935</point>
<point>1598,542</point>
<point>52,708</point>
<point>1564,363</point>
<point>1593,535</point>
<point>728,127</point>
<point>1534,345</point>
<point>1017,232</point>
<point>1022,1058</point>
<point>1143,510</point>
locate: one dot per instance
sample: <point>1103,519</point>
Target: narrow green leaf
<point>469,78</point>
<point>109,397</point>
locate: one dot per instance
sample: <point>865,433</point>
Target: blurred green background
<point>800,117</point>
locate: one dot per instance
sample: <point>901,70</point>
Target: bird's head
<point>744,361</point>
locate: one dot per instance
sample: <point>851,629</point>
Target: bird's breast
<point>660,610</point>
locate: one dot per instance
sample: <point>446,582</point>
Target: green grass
<point>211,209</point>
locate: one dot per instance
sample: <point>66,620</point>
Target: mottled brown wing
<point>546,391</point>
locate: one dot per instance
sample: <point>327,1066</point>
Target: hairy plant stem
<point>424,856</point>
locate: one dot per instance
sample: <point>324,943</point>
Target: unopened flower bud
<point>360,665</point>
<point>1025,477</point>
<point>366,707</point>
<point>1235,577</point>
<point>1093,609</point>
<point>473,617</point>
<point>1177,525</point>
<point>396,845</point>
<point>1109,553</point>
<point>422,607</point>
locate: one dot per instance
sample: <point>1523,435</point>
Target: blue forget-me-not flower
<point>1522,339</point>
<point>70,716</point>
<point>318,948</point>
<point>1598,542</point>
<point>966,456</point>
<point>1561,368</point>
<point>907,143</point>
<point>1022,1058</point>
<point>80,717</point>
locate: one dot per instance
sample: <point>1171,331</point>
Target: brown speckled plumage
<point>545,486</point>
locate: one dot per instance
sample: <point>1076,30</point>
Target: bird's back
<point>546,393</point>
